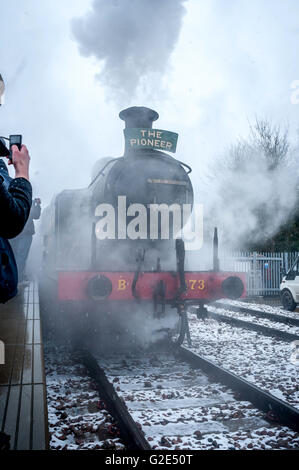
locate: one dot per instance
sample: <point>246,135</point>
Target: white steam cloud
<point>252,190</point>
<point>133,39</point>
<point>252,193</point>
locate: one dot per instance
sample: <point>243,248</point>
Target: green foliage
<point>286,239</point>
<point>256,191</point>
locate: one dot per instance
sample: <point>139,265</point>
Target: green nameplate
<point>151,139</point>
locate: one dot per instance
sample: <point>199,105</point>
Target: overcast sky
<point>214,66</point>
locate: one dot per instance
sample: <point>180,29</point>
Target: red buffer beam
<point>201,286</point>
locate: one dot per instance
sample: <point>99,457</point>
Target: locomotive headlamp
<point>233,287</point>
<point>99,288</point>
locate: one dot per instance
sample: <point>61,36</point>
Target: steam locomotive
<point>103,255</point>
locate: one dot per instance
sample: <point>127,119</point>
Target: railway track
<point>183,401</point>
<point>265,361</point>
<point>275,317</point>
<point>78,419</point>
<point>226,314</point>
<point>250,325</point>
<point>131,433</point>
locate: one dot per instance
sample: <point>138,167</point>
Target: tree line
<point>256,196</point>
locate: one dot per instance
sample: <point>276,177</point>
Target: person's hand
<point>20,160</point>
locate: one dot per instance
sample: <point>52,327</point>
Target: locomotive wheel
<point>288,301</point>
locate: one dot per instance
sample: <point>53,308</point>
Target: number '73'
<point>194,284</point>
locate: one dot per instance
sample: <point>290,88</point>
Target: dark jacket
<point>34,215</point>
<point>15,203</point>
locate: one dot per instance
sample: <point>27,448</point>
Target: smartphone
<point>14,140</point>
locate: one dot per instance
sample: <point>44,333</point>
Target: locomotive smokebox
<point>138,117</point>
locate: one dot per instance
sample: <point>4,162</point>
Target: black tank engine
<point>102,252</point>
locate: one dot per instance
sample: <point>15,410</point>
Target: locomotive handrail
<point>187,166</point>
<point>114,159</point>
<point>101,171</point>
<point>171,159</point>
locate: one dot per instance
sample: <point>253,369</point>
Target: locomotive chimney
<point>137,117</point>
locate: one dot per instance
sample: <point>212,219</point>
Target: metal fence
<point>263,270</point>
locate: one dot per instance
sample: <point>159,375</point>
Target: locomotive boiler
<point>114,249</point>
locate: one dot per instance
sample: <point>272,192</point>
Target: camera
<point>15,139</point>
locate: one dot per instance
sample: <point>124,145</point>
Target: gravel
<point>176,406</point>
<point>264,361</point>
<point>77,418</point>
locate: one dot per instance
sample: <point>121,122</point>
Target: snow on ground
<point>179,407</point>
<point>252,319</point>
<point>265,361</point>
<point>260,439</point>
<point>77,418</point>
<point>278,310</point>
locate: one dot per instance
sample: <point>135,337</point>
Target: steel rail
<point>265,330</point>
<point>257,313</point>
<point>130,432</point>
<point>264,401</point>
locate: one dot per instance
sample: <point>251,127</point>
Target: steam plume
<point>254,187</point>
<point>133,39</point>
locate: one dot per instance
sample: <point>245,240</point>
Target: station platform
<point>23,400</point>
